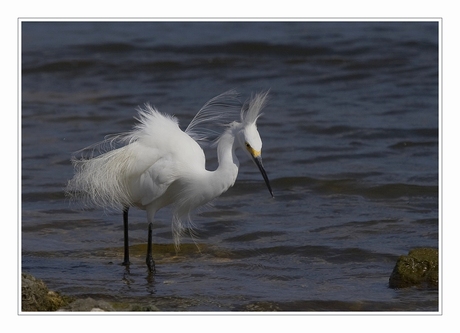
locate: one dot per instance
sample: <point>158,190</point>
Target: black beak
<point>258,161</point>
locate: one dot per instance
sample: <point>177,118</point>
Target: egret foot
<point>150,264</point>
<point>149,260</point>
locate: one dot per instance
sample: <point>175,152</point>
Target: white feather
<point>217,112</point>
<point>251,110</point>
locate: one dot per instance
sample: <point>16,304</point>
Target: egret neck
<point>225,175</point>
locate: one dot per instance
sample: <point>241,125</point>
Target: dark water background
<point>350,145</point>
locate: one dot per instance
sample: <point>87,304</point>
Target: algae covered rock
<point>37,297</point>
<point>419,268</point>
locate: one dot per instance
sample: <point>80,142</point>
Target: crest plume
<point>251,111</point>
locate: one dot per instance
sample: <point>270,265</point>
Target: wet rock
<point>260,306</point>
<point>37,297</point>
<point>89,305</point>
<point>143,307</point>
<point>93,305</point>
<point>419,268</point>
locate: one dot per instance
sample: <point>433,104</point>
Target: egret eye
<point>248,145</point>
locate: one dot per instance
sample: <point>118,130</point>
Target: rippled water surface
<point>350,145</point>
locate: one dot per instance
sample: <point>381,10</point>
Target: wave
<point>356,186</point>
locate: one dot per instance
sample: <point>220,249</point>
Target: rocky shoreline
<point>37,297</point>
<point>417,269</point>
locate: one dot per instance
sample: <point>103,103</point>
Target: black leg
<point>125,226</point>
<point>149,260</point>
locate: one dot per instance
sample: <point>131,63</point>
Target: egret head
<point>250,139</point>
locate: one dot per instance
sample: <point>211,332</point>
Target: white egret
<point>158,164</point>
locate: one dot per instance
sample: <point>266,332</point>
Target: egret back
<point>141,170</point>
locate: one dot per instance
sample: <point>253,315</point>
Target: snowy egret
<point>158,164</point>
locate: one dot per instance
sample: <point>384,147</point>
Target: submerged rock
<point>419,268</point>
<point>93,305</point>
<point>89,305</point>
<point>37,297</point>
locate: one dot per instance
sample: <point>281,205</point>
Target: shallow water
<point>350,146</point>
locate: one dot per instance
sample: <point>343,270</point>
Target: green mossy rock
<point>419,268</point>
<point>37,297</point>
